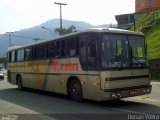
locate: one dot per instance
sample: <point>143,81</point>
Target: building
<point>125,21</point>
<point>142,6</point>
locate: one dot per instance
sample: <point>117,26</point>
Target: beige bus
<point>97,64</point>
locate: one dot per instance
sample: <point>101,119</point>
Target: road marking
<point>146,99</point>
<point>128,111</point>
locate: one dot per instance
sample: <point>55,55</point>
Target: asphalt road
<point>38,105</point>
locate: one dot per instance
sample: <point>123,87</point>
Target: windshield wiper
<point>135,58</point>
<point>119,66</point>
<point>138,62</point>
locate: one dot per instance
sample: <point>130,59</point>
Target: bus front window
<point>137,51</point>
<point>114,51</point>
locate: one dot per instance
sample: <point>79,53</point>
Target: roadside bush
<point>146,28</point>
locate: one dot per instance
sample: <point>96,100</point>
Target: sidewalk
<point>155,82</point>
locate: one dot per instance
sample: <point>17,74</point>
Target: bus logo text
<point>57,66</point>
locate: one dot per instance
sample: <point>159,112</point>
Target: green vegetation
<point>2,62</point>
<point>64,31</point>
<point>153,42</point>
<point>155,77</point>
<point>149,24</point>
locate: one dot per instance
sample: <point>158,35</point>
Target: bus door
<point>93,77</point>
<point>12,67</point>
<point>20,62</point>
<point>28,65</point>
<point>89,62</point>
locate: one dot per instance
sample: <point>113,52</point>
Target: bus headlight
<point>113,95</point>
<point>119,95</point>
<point>144,90</point>
<point>148,90</point>
<point>116,95</point>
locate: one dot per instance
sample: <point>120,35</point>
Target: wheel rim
<point>76,89</point>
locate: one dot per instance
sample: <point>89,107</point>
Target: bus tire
<point>20,83</point>
<point>75,90</point>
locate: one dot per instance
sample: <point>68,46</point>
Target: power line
<point>10,34</point>
<point>25,37</point>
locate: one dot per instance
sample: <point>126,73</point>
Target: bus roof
<point>107,30</point>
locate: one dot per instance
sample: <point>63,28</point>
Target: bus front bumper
<point>118,93</point>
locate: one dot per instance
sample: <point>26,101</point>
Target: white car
<point>1,75</point>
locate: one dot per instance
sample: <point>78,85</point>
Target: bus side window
<point>52,49</point>
<point>9,57</point>
<point>58,49</point>
<point>63,48</point>
<point>47,52</point>
<point>72,47</point>
<point>20,55</point>
<point>34,52</point>
<point>82,50</point>
<point>92,53</point>
<point>41,51</point>
<point>28,53</point>
<point>13,56</point>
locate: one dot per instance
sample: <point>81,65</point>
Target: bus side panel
<point>93,85</point>
<point>12,69</point>
<point>20,69</point>
<point>34,74</point>
<point>40,69</point>
<point>28,78</point>
<point>52,83</point>
<point>63,79</point>
<point>59,70</point>
<point>84,83</point>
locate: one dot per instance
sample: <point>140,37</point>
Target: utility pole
<point>134,22</point>
<point>9,34</point>
<point>60,4</point>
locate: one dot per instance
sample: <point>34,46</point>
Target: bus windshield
<point>137,51</point>
<point>121,51</point>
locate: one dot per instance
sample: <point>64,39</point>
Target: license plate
<point>133,92</point>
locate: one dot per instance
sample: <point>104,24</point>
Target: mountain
<point>26,36</point>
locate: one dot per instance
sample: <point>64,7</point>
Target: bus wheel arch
<point>19,82</point>
<point>74,88</point>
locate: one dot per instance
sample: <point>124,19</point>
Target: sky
<point>21,14</point>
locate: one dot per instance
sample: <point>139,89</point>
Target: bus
<point>98,64</point>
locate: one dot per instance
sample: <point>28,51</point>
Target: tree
<point>3,62</point>
<point>64,31</point>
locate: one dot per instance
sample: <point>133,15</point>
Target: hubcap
<point>75,89</point>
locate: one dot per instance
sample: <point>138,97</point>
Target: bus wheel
<point>75,90</point>
<point>20,83</point>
